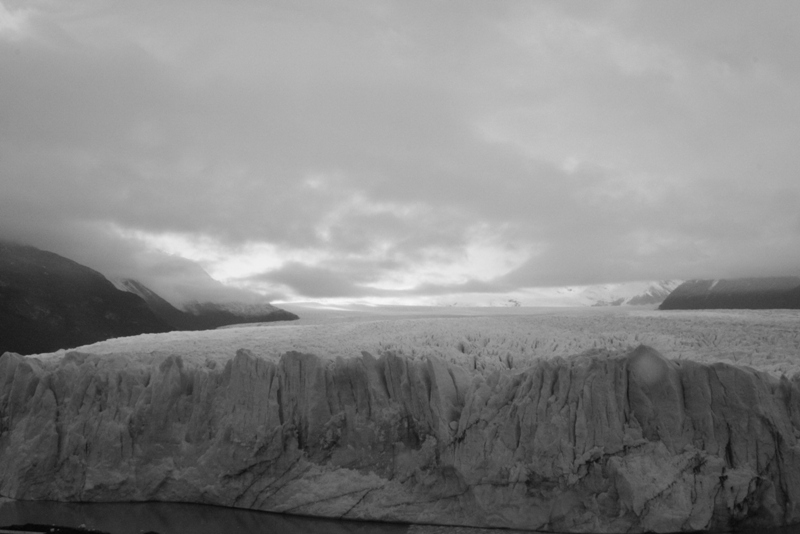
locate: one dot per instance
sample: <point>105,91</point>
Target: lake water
<point>167,518</point>
<point>178,518</point>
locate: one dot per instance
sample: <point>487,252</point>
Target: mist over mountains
<point>632,294</point>
<point>206,315</point>
<point>48,302</point>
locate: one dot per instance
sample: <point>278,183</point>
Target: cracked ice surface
<point>516,418</point>
<point>492,338</point>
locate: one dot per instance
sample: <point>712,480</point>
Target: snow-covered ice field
<point>489,338</point>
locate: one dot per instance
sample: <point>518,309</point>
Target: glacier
<point>605,440</point>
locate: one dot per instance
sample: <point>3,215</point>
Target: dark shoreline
<point>169,518</point>
<point>178,518</point>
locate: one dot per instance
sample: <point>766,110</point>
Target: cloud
<point>403,148</point>
<point>314,282</point>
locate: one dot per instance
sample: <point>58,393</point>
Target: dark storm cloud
<point>389,148</point>
<point>314,282</point>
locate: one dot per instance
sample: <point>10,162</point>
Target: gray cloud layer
<point>406,148</point>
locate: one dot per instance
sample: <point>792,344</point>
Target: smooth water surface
<point>179,518</point>
<point>173,518</point>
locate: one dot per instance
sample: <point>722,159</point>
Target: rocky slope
<point>606,441</point>
<point>48,302</point>
<point>741,293</point>
<point>204,315</point>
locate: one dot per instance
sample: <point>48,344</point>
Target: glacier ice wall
<point>625,441</point>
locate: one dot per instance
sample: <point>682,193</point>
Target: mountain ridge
<point>778,292</point>
<point>48,302</point>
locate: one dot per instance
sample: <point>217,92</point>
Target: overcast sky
<point>371,149</point>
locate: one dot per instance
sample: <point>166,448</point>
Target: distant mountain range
<point>647,293</point>
<point>741,293</point>
<point>48,302</point>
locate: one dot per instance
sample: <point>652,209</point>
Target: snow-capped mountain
<point>644,293</point>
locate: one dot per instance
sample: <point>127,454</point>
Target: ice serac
<point>600,442</point>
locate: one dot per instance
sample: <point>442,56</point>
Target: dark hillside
<point>740,293</point>
<point>211,315</point>
<point>48,302</point>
